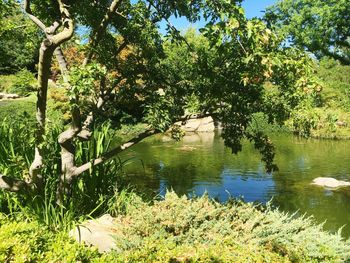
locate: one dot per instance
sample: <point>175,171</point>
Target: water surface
<point>201,163</point>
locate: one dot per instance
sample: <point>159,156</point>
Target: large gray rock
<point>329,182</point>
<point>205,124</point>
<point>98,233</point>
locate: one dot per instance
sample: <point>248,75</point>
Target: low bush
<point>177,229</point>
<point>23,84</point>
<point>23,241</point>
<point>6,81</point>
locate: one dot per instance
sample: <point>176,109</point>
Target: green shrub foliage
<point>177,229</point>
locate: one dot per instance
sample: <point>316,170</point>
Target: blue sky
<point>253,8</point>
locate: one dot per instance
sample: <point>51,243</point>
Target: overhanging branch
<point>110,154</point>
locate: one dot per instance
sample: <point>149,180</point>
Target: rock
<point>341,124</point>
<point>329,182</point>
<point>200,137</point>
<point>98,233</point>
<point>205,124</point>
<point>9,96</point>
<point>186,148</point>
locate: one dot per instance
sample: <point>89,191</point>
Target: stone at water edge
<point>329,182</point>
<point>205,124</point>
<point>97,232</point>
<point>9,96</point>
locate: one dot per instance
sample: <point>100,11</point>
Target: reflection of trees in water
<point>178,165</point>
<point>300,161</point>
<point>197,163</point>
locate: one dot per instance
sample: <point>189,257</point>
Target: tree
<point>322,27</point>
<point>126,59</point>
<point>18,39</point>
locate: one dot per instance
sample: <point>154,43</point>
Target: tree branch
<point>12,184</point>
<point>170,25</point>
<point>48,31</point>
<point>110,154</point>
<point>85,133</point>
<point>97,35</point>
<point>344,60</point>
<point>36,20</point>
<point>68,24</point>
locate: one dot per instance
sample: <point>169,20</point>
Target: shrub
<point>23,84</point>
<point>177,229</point>
<point>6,81</point>
<point>303,121</point>
<point>22,241</point>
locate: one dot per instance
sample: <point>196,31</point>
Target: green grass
<point>15,109</point>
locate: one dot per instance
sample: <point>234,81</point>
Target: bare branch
<point>47,49</point>
<point>62,62</point>
<point>52,29</point>
<point>49,31</point>
<point>12,184</point>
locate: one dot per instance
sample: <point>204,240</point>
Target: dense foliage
<point>322,27</point>
<point>126,72</point>
<point>327,114</point>
<point>129,72</point>
<point>18,39</point>
<point>181,230</point>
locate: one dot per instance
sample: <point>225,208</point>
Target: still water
<point>201,163</point>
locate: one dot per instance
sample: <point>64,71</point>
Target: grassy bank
<point>180,230</point>
<point>15,109</point>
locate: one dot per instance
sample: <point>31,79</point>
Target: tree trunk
<point>62,63</point>
<point>68,155</point>
<point>45,58</point>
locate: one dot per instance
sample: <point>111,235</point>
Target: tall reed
<point>92,191</point>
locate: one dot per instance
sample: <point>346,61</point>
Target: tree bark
<point>68,155</point>
<point>45,59</point>
<point>47,49</point>
<point>12,184</point>
<point>62,62</point>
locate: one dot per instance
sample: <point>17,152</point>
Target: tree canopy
<point>322,27</point>
<point>130,67</point>
<point>19,39</point>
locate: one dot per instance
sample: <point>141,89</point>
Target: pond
<point>201,163</point>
